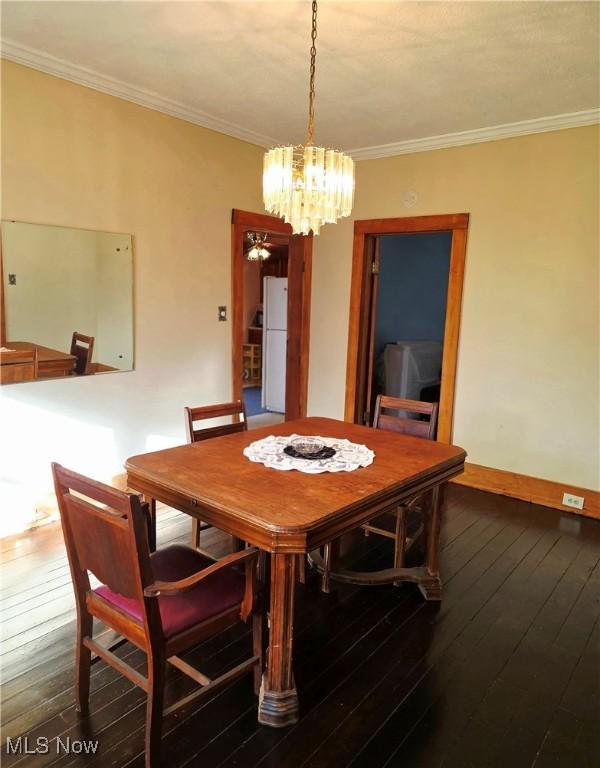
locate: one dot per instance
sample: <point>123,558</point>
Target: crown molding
<point>89,78</point>
<point>52,65</point>
<point>478,135</point>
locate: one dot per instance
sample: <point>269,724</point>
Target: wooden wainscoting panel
<point>533,489</point>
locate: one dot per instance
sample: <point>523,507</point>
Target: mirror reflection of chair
<point>18,365</point>
<point>235,410</point>
<point>164,603</point>
<point>82,347</point>
<point>399,420</point>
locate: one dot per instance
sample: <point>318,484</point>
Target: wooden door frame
<point>364,232</point>
<point>299,288</point>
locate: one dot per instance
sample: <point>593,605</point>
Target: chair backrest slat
<point>398,422</point>
<point>105,533</point>
<point>205,412</point>
<point>93,489</point>
<point>103,545</point>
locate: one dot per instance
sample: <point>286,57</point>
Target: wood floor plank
<point>504,671</point>
<point>281,747</point>
<point>469,593</point>
<point>124,747</point>
<point>472,662</point>
<point>522,700</point>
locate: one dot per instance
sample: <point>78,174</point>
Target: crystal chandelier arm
<point>311,94</point>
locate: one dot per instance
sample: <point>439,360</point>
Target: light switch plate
<point>222,314</point>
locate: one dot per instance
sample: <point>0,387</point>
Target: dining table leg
<point>278,703</point>
<point>431,585</point>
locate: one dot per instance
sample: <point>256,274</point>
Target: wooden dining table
<point>291,513</point>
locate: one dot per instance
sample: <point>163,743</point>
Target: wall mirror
<point>67,302</point>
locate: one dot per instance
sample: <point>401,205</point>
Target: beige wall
<point>79,158</point>
<point>527,386</point>
<point>528,361</point>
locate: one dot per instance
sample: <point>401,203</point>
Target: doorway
<point>265,324</point>
<point>270,317</point>
<point>406,296</point>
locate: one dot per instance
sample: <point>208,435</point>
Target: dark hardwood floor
<point>505,671</point>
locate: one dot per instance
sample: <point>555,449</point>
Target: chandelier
<point>257,251</point>
<point>308,186</point>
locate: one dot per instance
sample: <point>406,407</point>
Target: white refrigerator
<point>275,293</point>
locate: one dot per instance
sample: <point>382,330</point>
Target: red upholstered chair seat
<point>179,612</point>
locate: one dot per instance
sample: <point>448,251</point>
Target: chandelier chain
<point>311,95</point>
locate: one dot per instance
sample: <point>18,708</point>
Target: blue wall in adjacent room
<point>413,281</point>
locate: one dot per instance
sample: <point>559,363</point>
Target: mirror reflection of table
<point>52,363</point>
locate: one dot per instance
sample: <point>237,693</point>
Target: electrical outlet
<point>570,500</point>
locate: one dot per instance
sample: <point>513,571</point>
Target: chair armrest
<point>173,587</point>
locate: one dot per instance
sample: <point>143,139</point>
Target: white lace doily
<point>348,456</point>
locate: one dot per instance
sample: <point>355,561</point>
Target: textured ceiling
<point>386,71</point>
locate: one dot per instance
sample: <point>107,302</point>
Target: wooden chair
<point>398,421</point>
<point>82,347</point>
<point>18,365</point>
<point>203,413</point>
<point>164,603</point>
<point>401,422</point>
